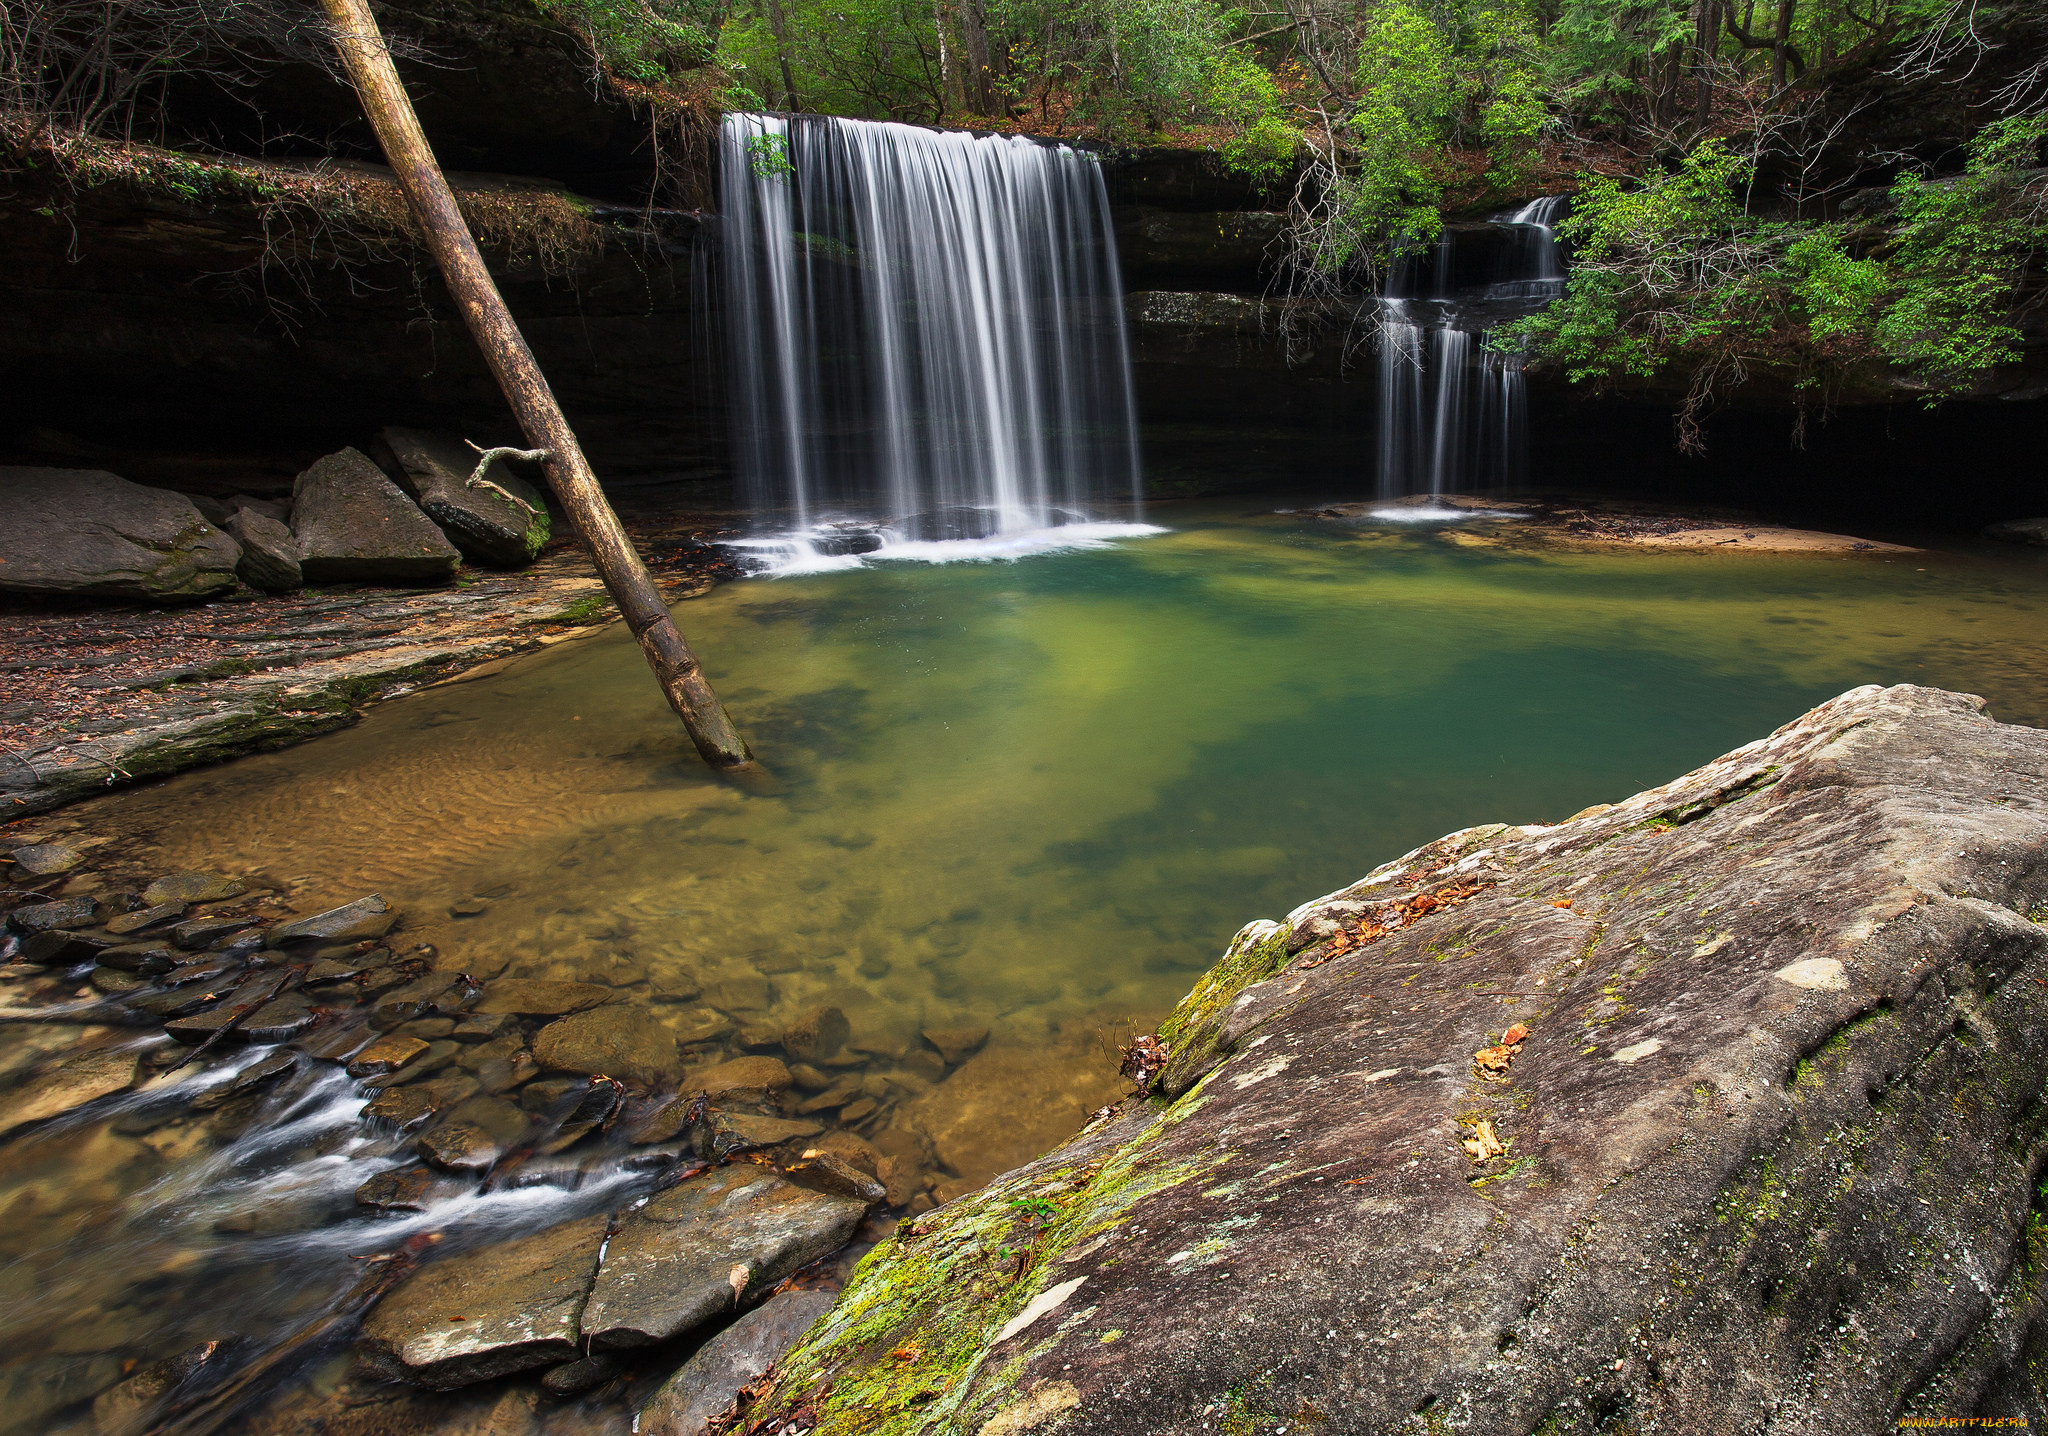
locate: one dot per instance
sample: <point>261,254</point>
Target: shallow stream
<point>1035,796</point>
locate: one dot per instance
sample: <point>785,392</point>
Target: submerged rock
<point>82,531</point>
<point>1715,1109</point>
<point>352,922</point>
<point>354,526</point>
<point>44,860</point>
<point>708,1246</point>
<point>539,997</point>
<point>191,887</point>
<point>85,1078</point>
<point>507,528</point>
<point>488,1313</point>
<point>710,1380</point>
<point>616,1041</point>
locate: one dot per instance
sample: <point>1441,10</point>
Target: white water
<point>1453,413</point>
<point>926,338</point>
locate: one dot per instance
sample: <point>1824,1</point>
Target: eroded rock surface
<point>711,1245</point>
<point>1764,1153</point>
<point>354,526</point>
<point>506,526</point>
<point>710,1380</point>
<point>84,531</point>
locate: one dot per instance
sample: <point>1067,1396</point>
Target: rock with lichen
<point>1765,1153</point>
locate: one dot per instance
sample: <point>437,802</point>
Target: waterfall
<point>1453,410</point>
<point>925,333</point>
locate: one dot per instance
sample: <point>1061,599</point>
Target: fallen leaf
<point>737,1279</point>
<point>1493,1059</point>
<point>1562,902</point>
<point>1484,1143</point>
<point>1515,1035</point>
<point>910,1352</point>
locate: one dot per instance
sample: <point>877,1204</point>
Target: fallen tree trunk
<point>390,113</point>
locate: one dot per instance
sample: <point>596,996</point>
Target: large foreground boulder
<point>1720,1109</point>
<point>354,526</point>
<point>2033,531</point>
<point>90,533</point>
<point>506,526</point>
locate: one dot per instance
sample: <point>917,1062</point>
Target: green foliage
<point>1603,47</point>
<point>1676,266</point>
<point>768,156</point>
<point>646,41</point>
<point>1960,249</point>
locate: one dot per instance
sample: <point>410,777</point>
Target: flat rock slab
<point>711,1245</point>
<point>539,997</point>
<point>709,1380</point>
<point>85,1078</point>
<point>506,526</point>
<point>354,526</point>
<point>613,1041</point>
<point>487,1313</point>
<point>1006,1105</point>
<point>87,532</point>
<point>1763,1155</point>
<point>366,917</point>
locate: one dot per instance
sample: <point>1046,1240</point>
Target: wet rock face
<point>506,526</point>
<point>85,532</point>
<point>617,1040</point>
<point>1764,1151</point>
<point>488,1313</point>
<point>354,526</point>
<point>711,1379</point>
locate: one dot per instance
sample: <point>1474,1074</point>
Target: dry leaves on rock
<point>1492,1063</point>
<point>1392,916</point>
<point>1484,1144</point>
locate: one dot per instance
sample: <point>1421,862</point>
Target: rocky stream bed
<point>1719,1108</point>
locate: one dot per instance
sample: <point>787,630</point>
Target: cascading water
<point>926,338</point>
<point>1452,409</point>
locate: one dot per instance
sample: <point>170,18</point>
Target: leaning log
<point>368,61</point>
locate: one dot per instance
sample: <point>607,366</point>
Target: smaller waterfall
<point>1453,410</point>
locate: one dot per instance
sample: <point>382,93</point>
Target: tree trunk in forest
<point>1781,42</point>
<point>526,389</point>
<point>974,42</point>
<point>781,33</point>
<point>1706,42</point>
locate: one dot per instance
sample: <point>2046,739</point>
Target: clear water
<point>1039,795</point>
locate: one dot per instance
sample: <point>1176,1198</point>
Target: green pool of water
<point>1042,795</point>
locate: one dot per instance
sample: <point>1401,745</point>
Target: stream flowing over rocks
<point>1717,1109</point>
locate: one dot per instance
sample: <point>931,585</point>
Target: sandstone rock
<point>716,1242</point>
<point>696,1024</point>
<point>354,526</point>
<point>614,1041</point>
<point>270,552</point>
<point>192,887</point>
<point>81,531</point>
<point>488,1313</point>
<point>196,933</point>
<point>741,1074</point>
<point>710,1380</point>
<point>386,1054</point>
<point>64,914</point>
<point>61,947</point>
<point>2028,531</point>
<point>352,922</point>
<point>1765,1152</point>
<point>538,997</point>
<point>816,1034</point>
<point>146,919</point>
<point>487,526</point>
<point>403,1107</point>
<point>820,1171</point>
<point>85,1078</point>
<point>44,860</point>
<point>956,1044</point>
<point>459,1147</point>
<point>749,1131</point>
